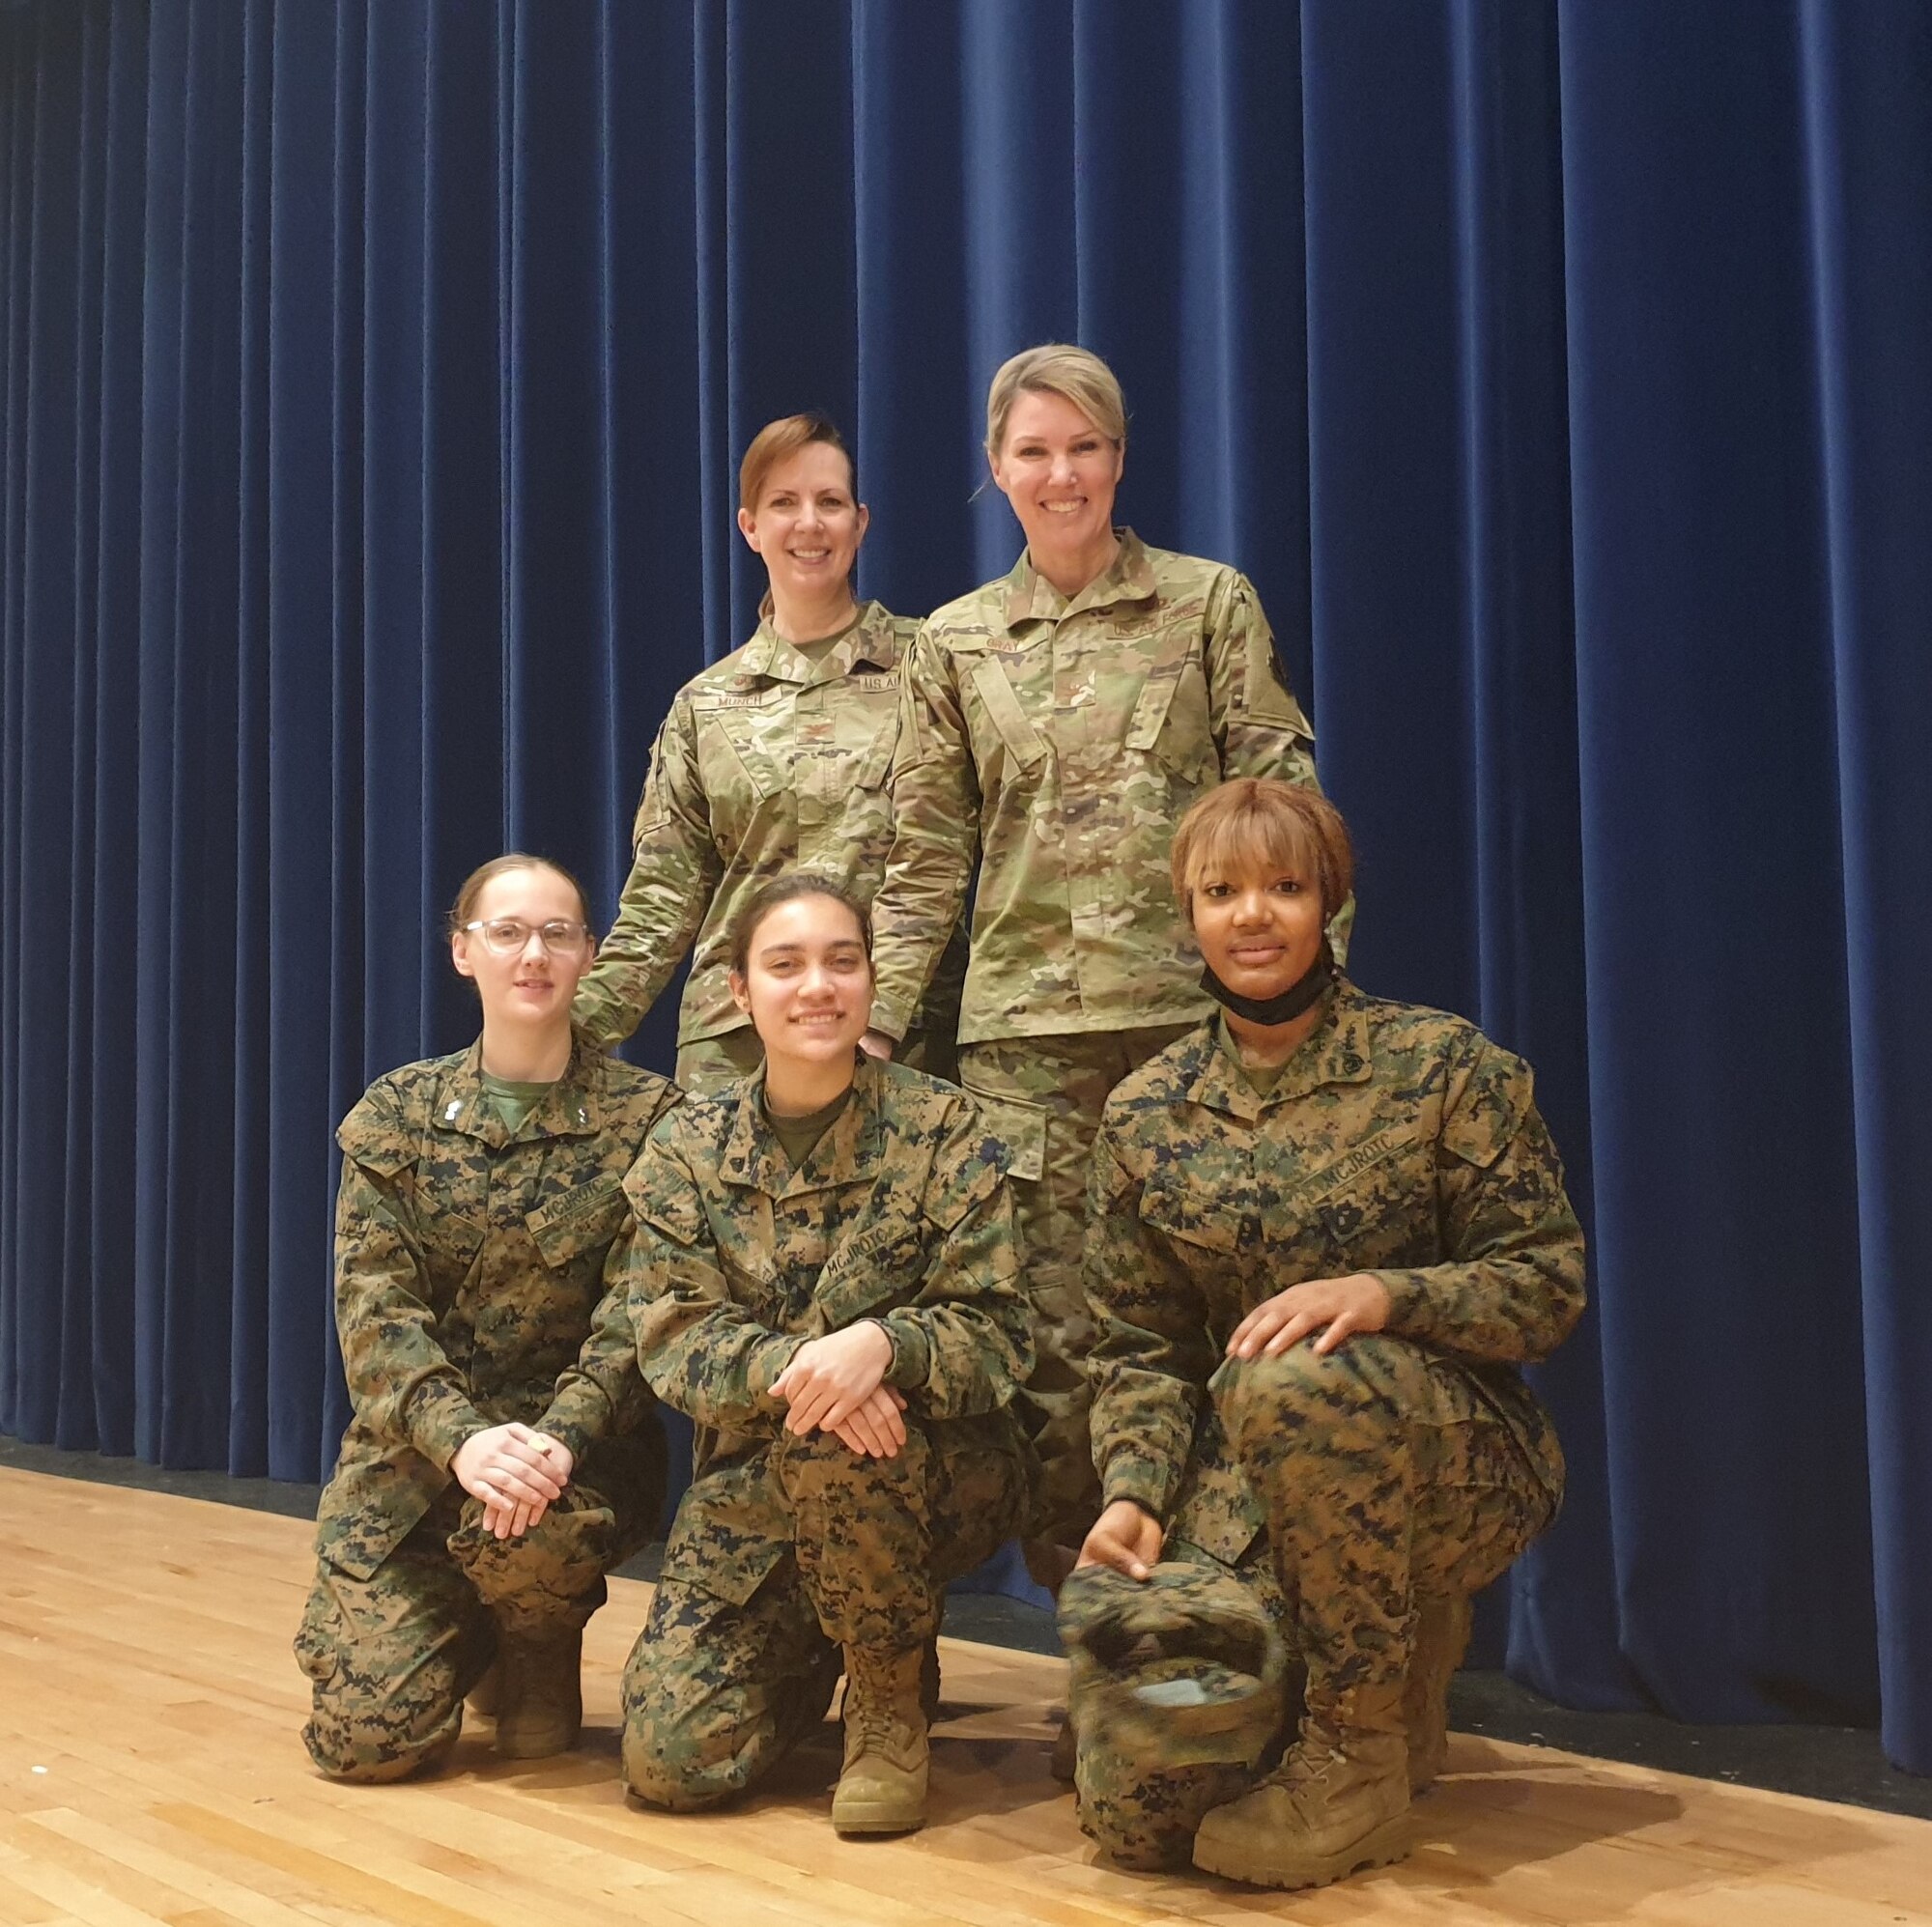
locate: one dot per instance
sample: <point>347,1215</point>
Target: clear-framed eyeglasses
<point>506,936</point>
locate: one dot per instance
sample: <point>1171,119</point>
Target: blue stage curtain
<point>373,379</point>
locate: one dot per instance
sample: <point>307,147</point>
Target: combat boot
<point>540,1707</point>
<point>881,1789</point>
<point>1337,1803</point>
<point>1442,1638</point>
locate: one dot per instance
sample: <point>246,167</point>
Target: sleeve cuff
<point>441,1419</point>
<point>1409,1307</point>
<point>578,1420</point>
<point>1150,1486</point>
<point>890,1016</point>
<point>911,1366</point>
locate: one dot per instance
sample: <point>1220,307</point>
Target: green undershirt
<point>1261,1077</point>
<point>819,647</point>
<point>800,1136</point>
<point>513,1101</point>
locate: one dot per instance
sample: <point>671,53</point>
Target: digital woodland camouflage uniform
<point>786,1549</point>
<point>470,1261</point>
<point>1060,742</point>
<point>1387,1481</point>
<point>769,761</point>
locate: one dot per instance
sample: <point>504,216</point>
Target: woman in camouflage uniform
<point>773,758</point>
<point>476,1505</point>
<point>1327,1231</point>
<point>822,1277</point>
<point>1058,720</point>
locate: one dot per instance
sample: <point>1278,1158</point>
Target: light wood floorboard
<point>150,1772</point>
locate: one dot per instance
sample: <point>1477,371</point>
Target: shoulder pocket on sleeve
<point>376,1140</point>
<point>1019,1127</point>
<point>1489,1110</point>
<point>674,1211</point>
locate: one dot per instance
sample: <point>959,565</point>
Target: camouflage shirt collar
<point>573,1106</point>
<point>1337,1051</point>
<point>1130,578</point>
<point>870,639</point>
<point>846,1153</point>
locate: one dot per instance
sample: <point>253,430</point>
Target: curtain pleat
<point>374,383</point>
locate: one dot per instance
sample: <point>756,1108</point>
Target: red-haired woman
<point>773,760</point>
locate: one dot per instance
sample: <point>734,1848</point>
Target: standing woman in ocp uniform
<point>1059,722</point>
<point>774,759</point>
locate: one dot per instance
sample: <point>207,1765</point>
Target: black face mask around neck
<point>1299,996</point>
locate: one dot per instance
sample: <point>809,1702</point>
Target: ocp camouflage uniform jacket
<point>468,1262</point>
<point>767,762</point>
<point>1399,1142</point>
<point>1060,742</point>
<point>902,1213</point>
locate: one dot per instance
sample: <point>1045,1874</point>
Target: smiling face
<point>529,987</point>
<point>1259,922</point>
<point>1059,472</point>
<point>804,524</point>
<point>807,985</point>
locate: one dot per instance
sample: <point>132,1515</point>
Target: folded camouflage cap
<point>1184,1666</point>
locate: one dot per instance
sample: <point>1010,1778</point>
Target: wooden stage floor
<point>150,1771</point>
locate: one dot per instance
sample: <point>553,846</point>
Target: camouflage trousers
<point>1385,1479</point>
<point>1044,1095</point>
<point>718,1690</point>
<point>391,1657</point>
<point>712,1064</point>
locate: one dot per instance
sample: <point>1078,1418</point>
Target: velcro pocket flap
<point>582,1219</point>
<point>1024,743</point>
<point>883,1265</point>
<point>1150,710</point>
<point>866,768</point>
<point>1196,1215</point>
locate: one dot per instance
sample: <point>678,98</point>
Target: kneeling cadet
<point>822,1275</point>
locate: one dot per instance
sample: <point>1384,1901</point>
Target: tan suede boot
<point>540,1709</point>
<point>1338,1803</point>
<point>1442,1638</point>
<point>883,1787</point>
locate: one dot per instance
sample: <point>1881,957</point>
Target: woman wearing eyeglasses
<point>475,1508</point>
<point>773,760</point>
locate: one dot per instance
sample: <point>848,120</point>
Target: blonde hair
<point>785,437</point>
<point>474,883</point>
<point>1076,374</point>
<point>1264,820</point>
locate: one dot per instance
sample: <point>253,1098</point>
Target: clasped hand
<point>518,1473</point>
<point>837,1384</point>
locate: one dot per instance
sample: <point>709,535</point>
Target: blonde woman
<point>1059,722</point>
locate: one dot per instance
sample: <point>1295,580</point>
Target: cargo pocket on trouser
<point>549,1577</point>
<point>388,1658</point>
<point>717,1690</point>
<point>1478,1501</point>
<point>1049,1190</point>
<point>981,1477</point>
